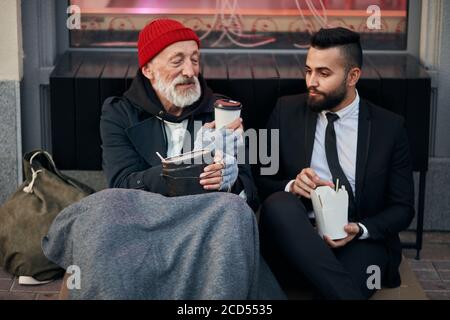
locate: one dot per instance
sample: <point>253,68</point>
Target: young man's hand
<point>306,181</point>
<point>352,230</point>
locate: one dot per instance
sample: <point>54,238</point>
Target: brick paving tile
<point>5,284</point>
<point>438,295</point>
<point>53,286</point>
<point>47,296</point>
<point>420,265</point>
<point>441,265</point>
<point>431,251</point>
<point>427,275</point>
<point>4,274</point>
<point>435,285</point>
<point>445,275</point>
<point>437,237</point>
<point>17,295</point>
<point>407,236</point>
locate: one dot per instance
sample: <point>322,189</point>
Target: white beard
<point>169,90</point>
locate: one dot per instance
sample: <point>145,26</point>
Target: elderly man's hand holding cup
<point>222,174</point>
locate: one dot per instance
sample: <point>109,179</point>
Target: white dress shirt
<point>346,128</point>
<point>175,133</point>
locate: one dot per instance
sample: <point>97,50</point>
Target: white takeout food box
<point>331,211</point>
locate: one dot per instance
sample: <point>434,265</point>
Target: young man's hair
<point>347,40</point>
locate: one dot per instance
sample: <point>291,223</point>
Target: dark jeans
<point>299,257</point>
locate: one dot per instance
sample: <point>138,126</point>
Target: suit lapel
<point>363,145</point>
<point>148,138</point>
<point>310,132</point>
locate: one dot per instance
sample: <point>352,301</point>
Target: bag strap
<point>48,158</point>
<point>29,187</point>
<point>53,169</point>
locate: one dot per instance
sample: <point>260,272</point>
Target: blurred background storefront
<point>234,24</point>
<point>246,44</point>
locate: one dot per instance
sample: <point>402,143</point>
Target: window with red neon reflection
<point>249,24</point>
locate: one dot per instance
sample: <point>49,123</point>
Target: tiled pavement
<point>433,272</point>
<point>10,289</point>
<point>433,269</point>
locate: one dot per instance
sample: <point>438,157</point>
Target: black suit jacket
<point>384,184</point>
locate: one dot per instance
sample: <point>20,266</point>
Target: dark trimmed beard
<point>326,101</point>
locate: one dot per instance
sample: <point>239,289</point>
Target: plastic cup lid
<point>228,104</point>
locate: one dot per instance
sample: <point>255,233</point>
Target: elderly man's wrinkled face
<point>174,73</point>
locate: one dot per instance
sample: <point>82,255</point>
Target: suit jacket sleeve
<point>123,166</point>
<point>399,209</point>
<point>268,184</point>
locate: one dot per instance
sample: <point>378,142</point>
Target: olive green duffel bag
<point>27,215</point>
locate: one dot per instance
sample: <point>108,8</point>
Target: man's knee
<point>234,209</point>
<point>281,203</point>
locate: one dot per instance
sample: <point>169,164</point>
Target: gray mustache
<point>187,81</point>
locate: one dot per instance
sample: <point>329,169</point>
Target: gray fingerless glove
<point>230,172</point>
<point>225,143</point>
<point>224,140</point>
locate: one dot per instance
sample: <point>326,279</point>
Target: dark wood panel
<point>133,67</point>
<point>265,89</point>
<point>301,57</point>
<point>239,66</point>
<point>418,120</point>
<point>62,104</point>
<point>240,85</point>
<point>215,71</point>
<point>214,66</point>
<point>88,111</point>
<point>113,78</point>
<point>264,67</point>
<point>418,101</point>
<point>292,77</point>
<point>80,83</point>
<point>393,84</point>
<point>369,85</point>
<point>406,90</point>
<point>289,67</point>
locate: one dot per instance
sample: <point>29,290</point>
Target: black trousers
<point>299,257</point>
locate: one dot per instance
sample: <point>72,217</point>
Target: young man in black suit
<point>327,134</point>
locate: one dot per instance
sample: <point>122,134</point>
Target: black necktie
<point>333,162</point>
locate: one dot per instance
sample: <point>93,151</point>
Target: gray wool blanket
<point>132,244</point>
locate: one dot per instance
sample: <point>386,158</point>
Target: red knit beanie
<point>159,34</point>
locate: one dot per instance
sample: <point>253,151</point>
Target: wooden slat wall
<point>87,112</point>
<point>62,97</point>
<point>80,83</point>
<point>240,84</point>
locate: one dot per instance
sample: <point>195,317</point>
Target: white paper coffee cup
<point>226,111</point>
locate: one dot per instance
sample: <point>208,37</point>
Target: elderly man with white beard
<point>132,241</point>
<point>166,98</point>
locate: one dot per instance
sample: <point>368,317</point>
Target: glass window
<point>230,24</point>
